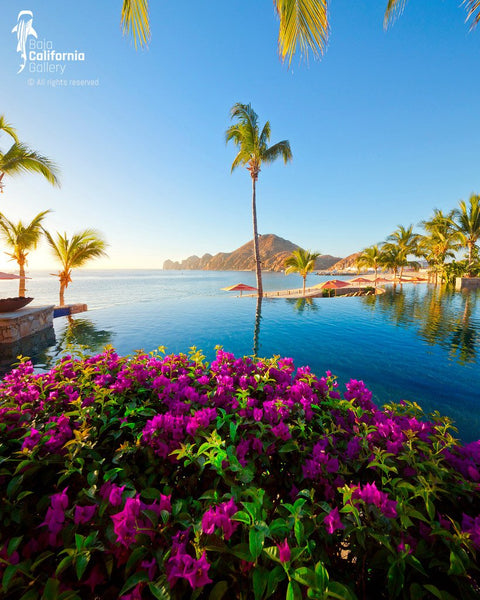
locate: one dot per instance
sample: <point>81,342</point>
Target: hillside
<point>345,264</point>
<point>273,252</point>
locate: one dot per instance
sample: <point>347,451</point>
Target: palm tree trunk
<point>256,330</point>
<point>21,282</point>
<point>62,294</point>
<point>258,266</point>
<point>304,282</point>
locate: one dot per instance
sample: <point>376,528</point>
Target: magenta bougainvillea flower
<point>332,521</point>
<point>284,552</point>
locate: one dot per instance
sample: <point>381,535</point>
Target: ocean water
<point>415,342</point>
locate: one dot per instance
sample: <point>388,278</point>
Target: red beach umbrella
<point>334,284</point>
<point>240,287</point>
<point>360,280</point>
<point>11,276</point>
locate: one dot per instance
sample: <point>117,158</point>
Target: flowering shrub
<point>157,476</point>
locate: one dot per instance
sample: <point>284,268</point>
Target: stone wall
<point>24,322</point>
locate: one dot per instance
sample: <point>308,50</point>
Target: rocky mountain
<point>273,252</point>
<point>348,263</point>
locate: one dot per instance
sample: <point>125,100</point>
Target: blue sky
<point>383,129</point>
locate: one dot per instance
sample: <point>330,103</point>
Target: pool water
<point>415,342</point>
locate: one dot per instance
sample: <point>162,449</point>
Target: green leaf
<point>275,576</point>
<point>159,592</point>
<point>395,579</point>
<point>456,564</point>
<point>299,532</point>
<point>260,579</point>
<point>218,591</point>
<point>8,575</point>
<point>14,484</point>
<point>64,564</point>
<point>321,576</point>
<point>243,517</point>
<point>233,431</point>
<point>135,557</point>
<point>242,552</point>
<point>340,592</point>
<point>30,595</point>
<point>293,591</point>
<point>150,493</point>
<point>255,542</point>
<point>13,544</point>
<point>132,581</point>
<point>305,576</point>
<point>51,589</point>
<point>81,564</point>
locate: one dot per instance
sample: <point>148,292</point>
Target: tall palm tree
<point>20,158</point>
<point>21,239</point>
<point>370,258</point>
<point>303,23</point>
<point>253,152</point>
<point>467,222</point>
<point>406,241</point>
<point>74,253</point>
<point>302,262</point>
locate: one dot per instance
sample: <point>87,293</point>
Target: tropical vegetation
<point>445,235</point>
<point>468,226</point>
<point>304,24</point>
<point>302,262</point>
<point>19,158</point>
<point>253,152</point>
<point>161,476</point>
<point>21,239</point>
<point>74,252</point>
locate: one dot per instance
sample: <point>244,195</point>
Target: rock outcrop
<point>273,252</point>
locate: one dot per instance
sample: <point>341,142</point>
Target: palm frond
<point>136,21</point>
<point>473,11</point>
<point>279,149</point>
<point>7,128</point>
<point>265,135</point>
<point>393,11</point>
<point>303,26</point>
<point>20,158</point>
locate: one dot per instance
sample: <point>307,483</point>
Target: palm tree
<point>20,158</point>
<point>21,239</point>
<point>303,23</point>
<point>302,262</point>
<point>392,258</point>
<point>467,222</point>
<point>370,258</point>
<point>441,242</point>
<point>74,253</point>
<point>253,152</point>
<point>406,241</point>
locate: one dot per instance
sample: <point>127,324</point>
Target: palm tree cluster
<point>21,238</point>
<point>444,235</point>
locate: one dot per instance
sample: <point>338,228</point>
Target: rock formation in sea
<point>273,252</point>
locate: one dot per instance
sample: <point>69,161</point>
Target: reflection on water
<point>79,335</point>
<point>256,329</point>
<point>300,304</point>
<point>440,317</point>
